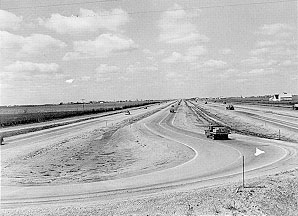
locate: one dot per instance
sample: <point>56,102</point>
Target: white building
<point>281,97</point>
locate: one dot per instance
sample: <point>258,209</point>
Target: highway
<point>214,162</point>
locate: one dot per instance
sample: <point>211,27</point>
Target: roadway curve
<point>214,163</point>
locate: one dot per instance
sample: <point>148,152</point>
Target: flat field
<point>16,115</point>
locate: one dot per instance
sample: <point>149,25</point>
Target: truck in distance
<point>217,132</point>
<point>230,107</point>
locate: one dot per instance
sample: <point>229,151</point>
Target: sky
<point>69,50</point>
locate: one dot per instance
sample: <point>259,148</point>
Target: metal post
<point>243,171</point>
<point>279,134</point>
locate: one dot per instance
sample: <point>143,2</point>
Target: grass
<point>17,115</point>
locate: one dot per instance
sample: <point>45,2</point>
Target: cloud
<point>69,81</point>
<point>259,51</point>
<point>191,55</point>
<point>103,46</point>
<point>105,72</point>
<point>86,21</point>
<point>178,57</point>
<point>135,68</point>
<point>215,64</point>
<point>175,27</point>
<point>20,46</point>
<point>9,20</point>
<point>289,63</point>
<point>31,68</point>
<point>252,61</point>
<point>274,29</point>
<point>261,71</point>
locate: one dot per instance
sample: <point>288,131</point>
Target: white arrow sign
<point>258,152</point>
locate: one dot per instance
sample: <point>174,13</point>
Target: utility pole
<point>83,100</point>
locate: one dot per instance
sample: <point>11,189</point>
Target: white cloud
<point>257,71</point>
<point>25,67</point>
<point>289,63</point>
<point>178,57</point>
<point>135,68</point>
<point>252,61</point>
<point>259,51</point>
<point>191,55</point>
<point>103,46</point>
<point>273,29</point>
<point>215,64</point>
<point>175,27</point>
<point>19,46</point>
<point>69,81</point>
<point>261,72</point>
<point>9,20</point>
<point>86,21</point>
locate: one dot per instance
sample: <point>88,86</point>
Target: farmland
<point>16,115</point>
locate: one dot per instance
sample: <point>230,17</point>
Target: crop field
<point>16,115</point>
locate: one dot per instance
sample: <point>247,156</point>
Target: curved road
<point>214,163</point>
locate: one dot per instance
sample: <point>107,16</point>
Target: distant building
<point>281,97</point>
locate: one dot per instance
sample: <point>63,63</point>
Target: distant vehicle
<point>230,107</point>
<point>206,102</point>
<point>172,106</point>
<point>217,132</point>
<point>127,113</point>
<point>172,110</point>
<point>145,107</point>
<point>295,107</point>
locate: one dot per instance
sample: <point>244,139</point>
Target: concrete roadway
<point>214,163</point>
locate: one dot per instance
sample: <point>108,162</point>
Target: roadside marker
<point>258,152</point>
